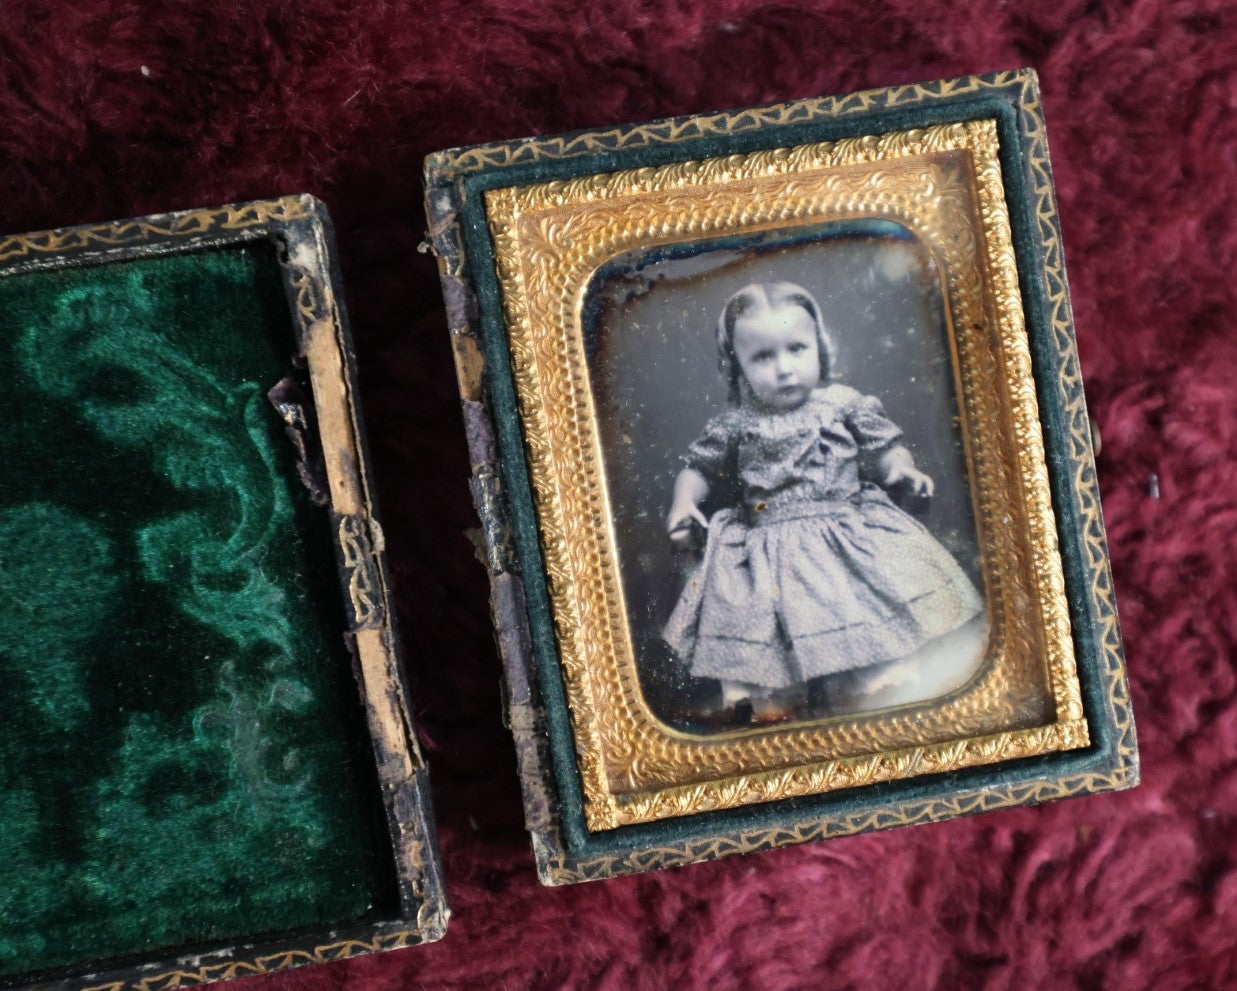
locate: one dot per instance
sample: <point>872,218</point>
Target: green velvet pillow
<point>183,755</point>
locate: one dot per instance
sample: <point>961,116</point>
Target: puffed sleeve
<point>872,429</point>
<point>713,452</point>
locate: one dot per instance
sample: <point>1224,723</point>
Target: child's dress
<point>815,571</point>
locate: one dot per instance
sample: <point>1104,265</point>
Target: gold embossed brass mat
<point>938,191</point>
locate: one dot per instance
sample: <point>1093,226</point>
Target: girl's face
<point>778,356</point>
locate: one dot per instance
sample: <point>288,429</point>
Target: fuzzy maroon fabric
<point>111,108</point>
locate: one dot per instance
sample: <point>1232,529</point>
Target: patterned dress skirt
<point>805,589</point>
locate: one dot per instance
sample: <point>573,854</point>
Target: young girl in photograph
<point>812,573</point>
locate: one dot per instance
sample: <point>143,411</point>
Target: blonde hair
<point>758,297</point>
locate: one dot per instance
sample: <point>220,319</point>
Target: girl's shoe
<point>772,714</point>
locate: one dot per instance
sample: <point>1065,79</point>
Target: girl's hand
<point>679,523</point>
<point>910,480</point>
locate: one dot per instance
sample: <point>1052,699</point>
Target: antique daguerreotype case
<point>192,787</point>
<point>783,462</point>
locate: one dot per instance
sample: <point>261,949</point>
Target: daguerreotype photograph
<point>788,472</point>
<point>779,422</point>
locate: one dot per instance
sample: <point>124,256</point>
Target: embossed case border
<point>299,228</point>
<point>462,187</point>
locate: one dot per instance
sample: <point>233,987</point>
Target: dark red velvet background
<point>110,109</point>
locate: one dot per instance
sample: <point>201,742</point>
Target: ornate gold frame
<point>943,183</point>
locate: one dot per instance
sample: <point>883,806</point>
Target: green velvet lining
<point>183,754</point>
